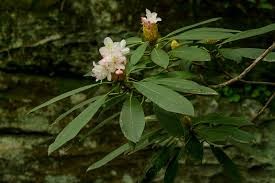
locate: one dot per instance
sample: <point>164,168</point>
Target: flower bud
<point>174,44</point>
<point>150,27</point>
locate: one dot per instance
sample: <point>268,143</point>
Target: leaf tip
<point>51,149</point>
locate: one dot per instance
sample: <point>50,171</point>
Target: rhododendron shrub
<point>149,94</point>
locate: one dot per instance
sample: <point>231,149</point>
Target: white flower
<point>113,61</point>
<point>100,72</point>
<point>113,48</point>
<point>151,17</point>
<point>123,49</point>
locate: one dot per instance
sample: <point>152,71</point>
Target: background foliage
<point>46,47</point>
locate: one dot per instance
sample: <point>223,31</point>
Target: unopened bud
<point>174,44</point>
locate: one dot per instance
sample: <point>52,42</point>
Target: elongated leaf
<point>148,139</point>
<point>138,53</point>
<point>132,119</point>
<point>185,86</point>
<point>223,133</point>
<point>160,57</point>
<point>251,33</point>
<point>109,157</point>
<point>78,106</point>
<point>193,150</point>
<point>191,54</point>
<point>133,40</point>
<point>74,127</point>
<point>230,169</point>
<point>165,98</point>
<point>169,122</point>
<point>64,95</point>
<point>221,119</point>
<point>172,74</point>
<point>177,74</point>
<point>158,161</point>
<point>200,34</point>
<point>230,54</point>
<point>192,26</point>
<point>172,169</point>
<point>214,29</point>
<point>254,53</point>
<point>251,53</point>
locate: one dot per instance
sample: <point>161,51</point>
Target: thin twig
<point>251,82</point>
<point>240,76</point>
<point>258,82</point>
<point>264,107</point>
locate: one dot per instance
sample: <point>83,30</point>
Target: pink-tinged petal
<point>102,61</point>
<point>144,20</point>
<point>108,41</point>
<point>104,51</point>
<point>119,72</point>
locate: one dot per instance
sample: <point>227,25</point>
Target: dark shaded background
<point>46,46</point>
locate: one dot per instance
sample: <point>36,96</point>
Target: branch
<point>256,61</point>
<point>258,82</point>
<point>251,82</point>
<point>264,107</point>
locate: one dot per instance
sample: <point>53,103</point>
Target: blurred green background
<point>46,46</point>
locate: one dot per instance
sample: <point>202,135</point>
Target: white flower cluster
<point>113,61</point>
<point>151,18</point>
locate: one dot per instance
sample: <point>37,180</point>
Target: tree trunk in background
<point>46,46</point>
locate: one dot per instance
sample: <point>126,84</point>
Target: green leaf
<point>185,86</point>
<point>74,127</point>
<point>192,26</point>
<point>254,53</point>
<point>169,121</point>
<point>109,157</point>
<point>172,169</point>
<point>177,74</point>
<point>200,34</point>
<point>250,33</point>
<point>230,54</point>
<point>148,139</point>
<point>172,74</point>
<point>191,54</point>
<point>223,133</point>
<point>138,53</point>
<point>160,57</point>
<point>132,119</point>
<point>230,169</point>
<point>165,98</point>
<point>78,106</point>
<point>214,29</point>
<point>133,40</point>
<point>221,119</point>
<point>251,53</point>
<point>158,161</point>
<point>193,150</point>
<point>64,95</point>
